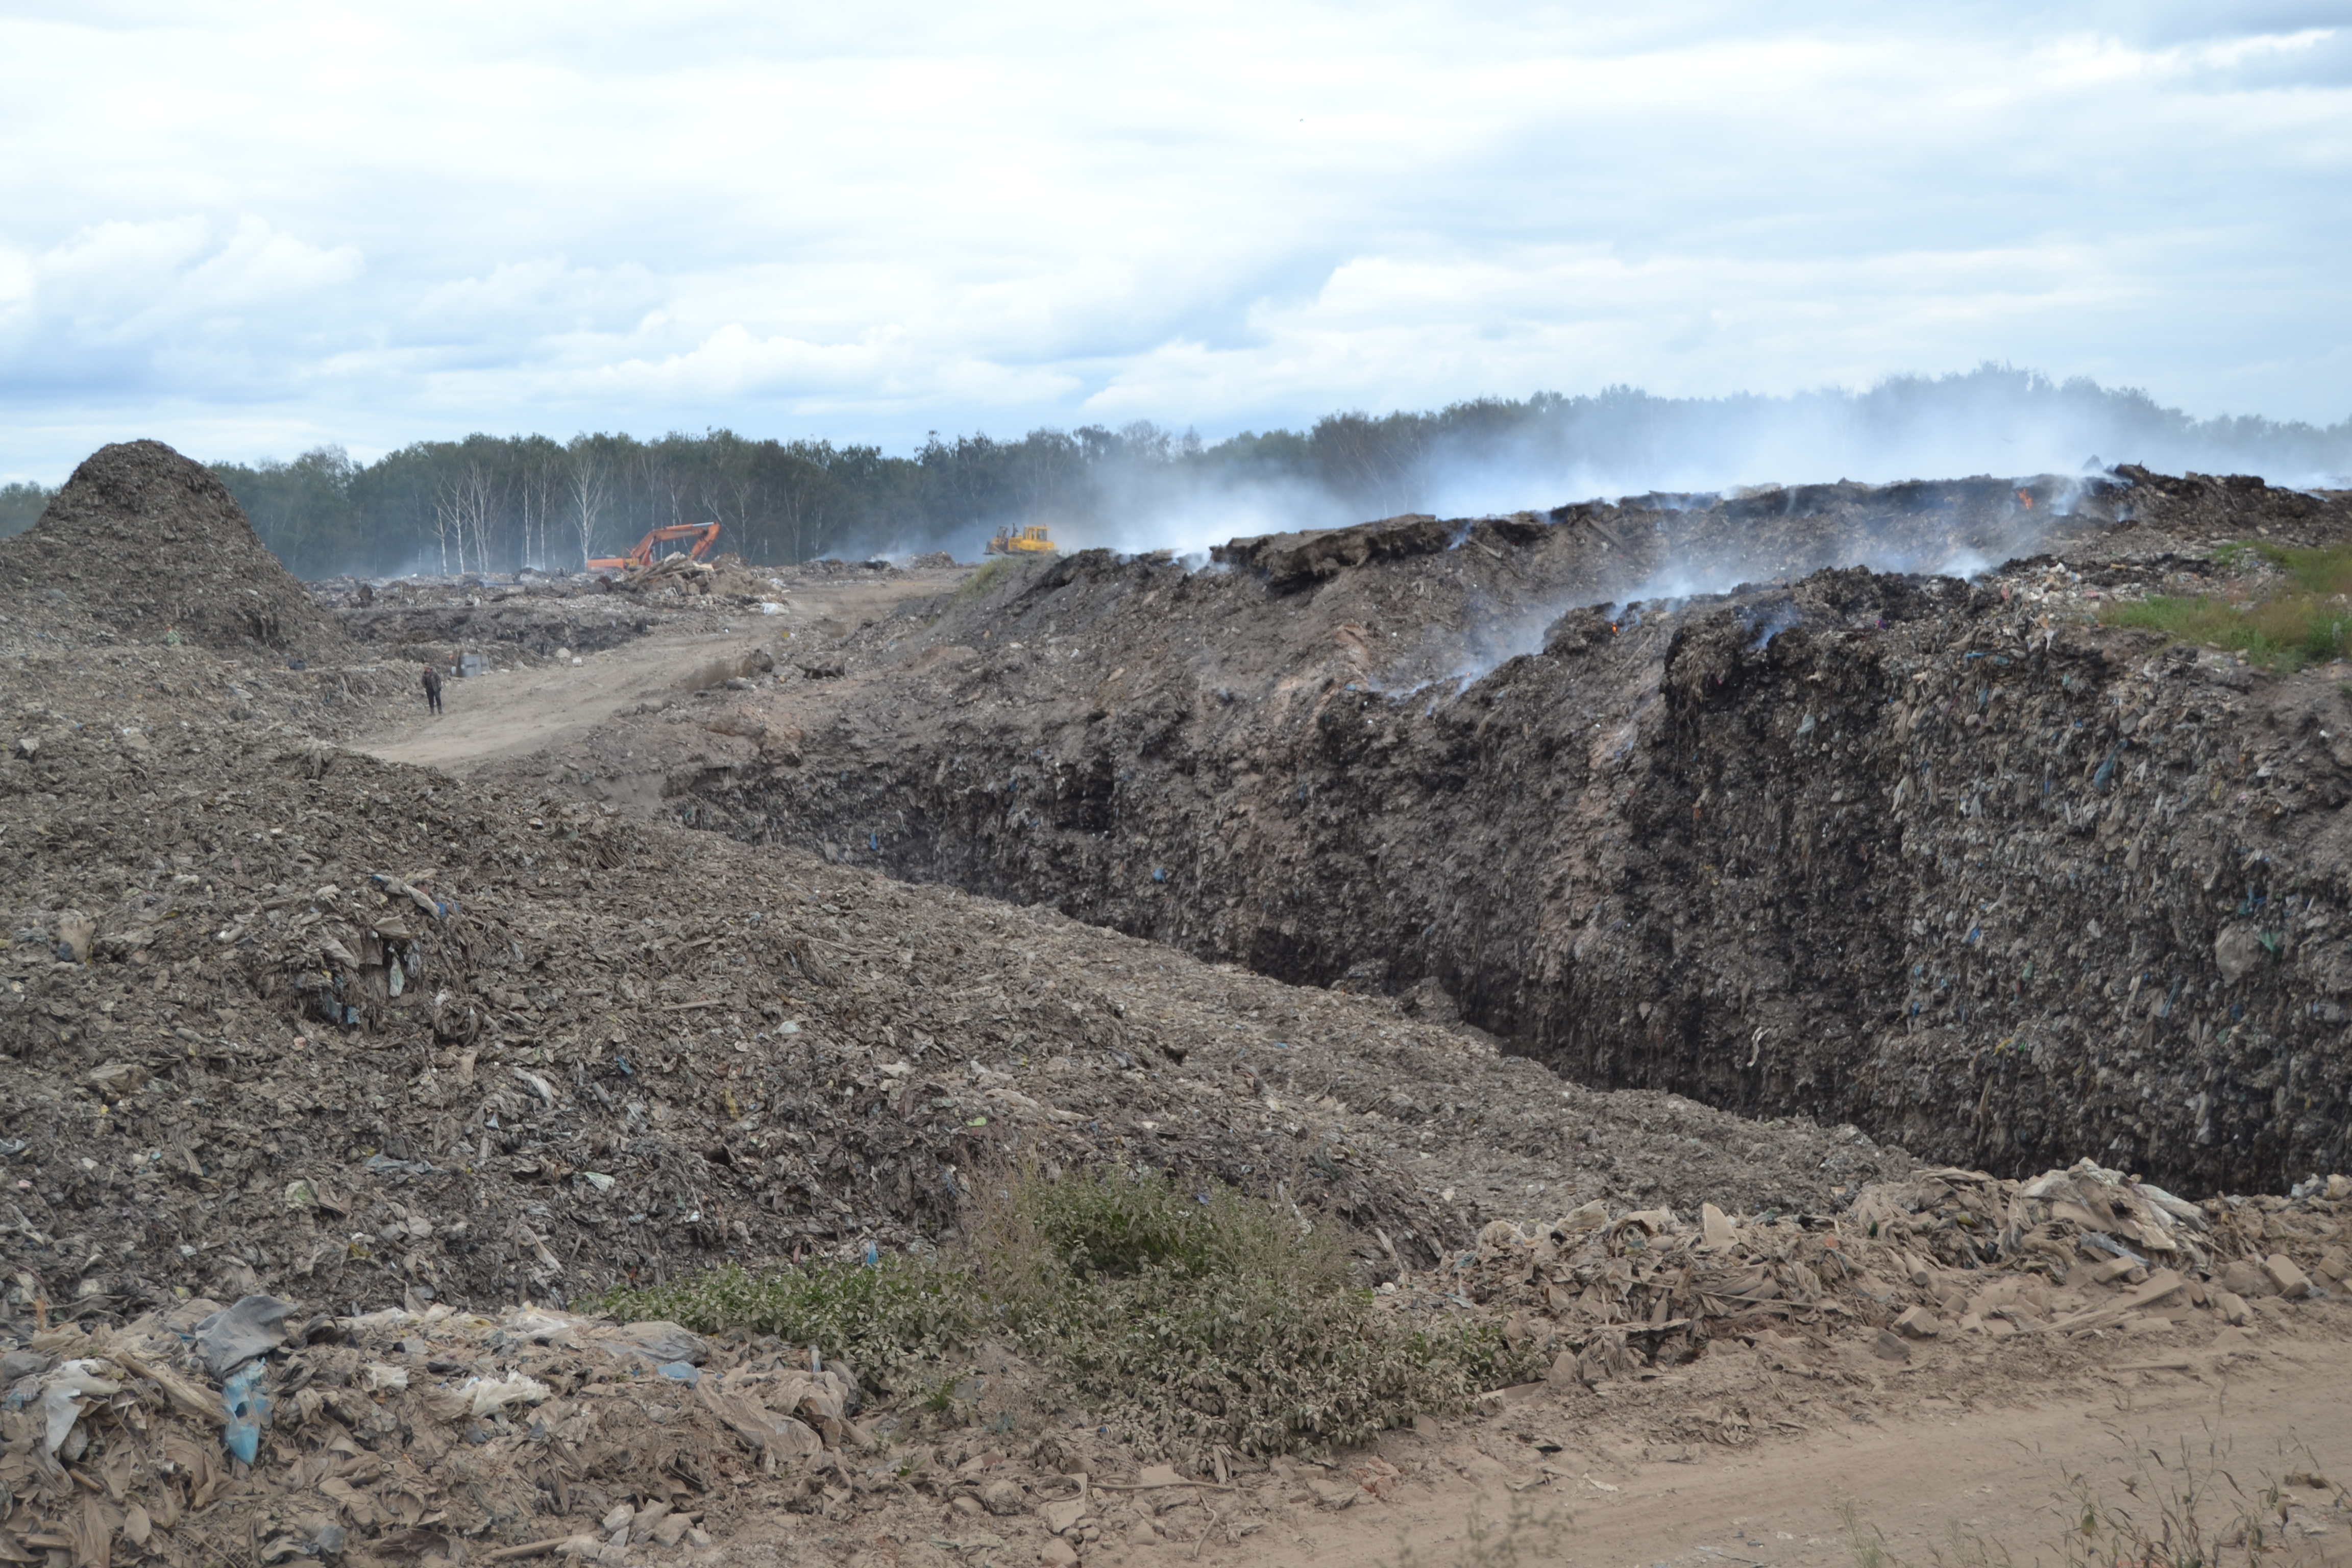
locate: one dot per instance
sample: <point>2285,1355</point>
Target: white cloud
<point>233,222</point>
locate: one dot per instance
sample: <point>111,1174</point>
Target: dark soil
<point>1946,860</point>
<point>152,546</point>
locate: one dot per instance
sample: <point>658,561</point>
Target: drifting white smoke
<point>1494,458</point>
<point>1992,421</point>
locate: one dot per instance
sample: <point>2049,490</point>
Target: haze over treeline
<point>500,502</point>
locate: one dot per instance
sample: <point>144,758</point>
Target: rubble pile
<point>282,1017</point>
<point>332,1088</point>
<point>1946,859</point>
<point>152,546</point>
<point>529,618</point>
<point>1939,1254</point>
<point>266,1433</point>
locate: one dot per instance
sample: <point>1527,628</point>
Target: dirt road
<point>516,712</point>
<point>1924,1486</point>
<point>2248,1434</point>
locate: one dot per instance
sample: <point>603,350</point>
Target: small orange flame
<point>2025,500</point>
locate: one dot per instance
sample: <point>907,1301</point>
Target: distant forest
<point>497,502</point>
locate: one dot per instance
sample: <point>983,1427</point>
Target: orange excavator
<point>704,534</point>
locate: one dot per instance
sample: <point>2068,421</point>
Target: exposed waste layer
<point>1945,859</point>
<point>152,546</point>
<point>279,1016</point>
<point>1939,1255</point>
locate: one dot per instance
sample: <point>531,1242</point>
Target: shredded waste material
<point>152,546</point>
<point>333,1091</point>
<point>1939,1254</point>
<point>1862,845</point>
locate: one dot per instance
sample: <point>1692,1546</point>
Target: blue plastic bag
<point>248,1408</point>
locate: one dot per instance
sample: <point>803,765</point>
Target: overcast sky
<point>251,228</point>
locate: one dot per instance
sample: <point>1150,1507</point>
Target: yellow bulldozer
<point>1029,540</point>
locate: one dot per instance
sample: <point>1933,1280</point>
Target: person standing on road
<point>432,689</point>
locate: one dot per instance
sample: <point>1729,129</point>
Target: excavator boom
<point>704,534</point>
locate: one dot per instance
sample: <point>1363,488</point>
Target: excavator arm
<point>704,534</point>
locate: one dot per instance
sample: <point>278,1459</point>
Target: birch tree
<point>591,490</point>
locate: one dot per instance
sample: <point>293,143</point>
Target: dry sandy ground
<point>513,713</point>
<point>2262,1433</point>
<point>1923,1484</point>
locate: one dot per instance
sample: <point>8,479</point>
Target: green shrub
<point>984,577</point>
<point>1185,1319</point>
<point>1191,1319</point>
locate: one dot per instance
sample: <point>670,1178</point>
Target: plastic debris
<point>248,1408</point>
<point>230,1338</point>
<point>63,1391</point>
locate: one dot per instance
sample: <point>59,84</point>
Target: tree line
<point>497,502</point>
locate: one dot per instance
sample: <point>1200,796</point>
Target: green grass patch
<point>1184,1318</point>
<point>984,578</point>
<point>888,1323</point>
<point>2307,619</point>
<point>2326,571</point>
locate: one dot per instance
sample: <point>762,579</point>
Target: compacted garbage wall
<point>1940,856</point>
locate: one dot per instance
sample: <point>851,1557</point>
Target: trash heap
<point>153,546</point>
<point>680,570</point>
<point>1949,859</point>
<point>1939,1253</point>
<point>284,1018</point>
<point>260,1432</point>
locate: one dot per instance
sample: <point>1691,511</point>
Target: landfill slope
<point>279,1016</point>
<point>331,1088</point>
<point>1946,859</point>
<point>151,545</point>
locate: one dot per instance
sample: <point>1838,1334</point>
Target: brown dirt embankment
<point>151,545</point>
<point>1944,859</point>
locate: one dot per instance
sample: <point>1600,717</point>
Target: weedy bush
<point>1183,1318</point>
<point>2306,620</point>
<point>1191,1318</point>
<point>2183,1510</point>
<point>984,578</point>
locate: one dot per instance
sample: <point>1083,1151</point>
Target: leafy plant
<point>1186,1318</point>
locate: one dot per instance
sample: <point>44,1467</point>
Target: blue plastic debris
<point>248,1408</point>
<point>2106,773</point>
<point>683,1371</point>
<point>873,1256</point>
<point>1158,873</point>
